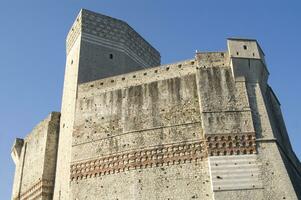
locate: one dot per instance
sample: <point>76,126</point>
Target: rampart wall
<point>35,167</point>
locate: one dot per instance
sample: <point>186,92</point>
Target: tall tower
<point>97,46</point>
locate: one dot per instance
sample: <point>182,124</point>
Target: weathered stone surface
<point>205,128</point>
<point>35,166</point>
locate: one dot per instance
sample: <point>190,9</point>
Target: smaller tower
<point>247,60</point>
<point>281,169</point>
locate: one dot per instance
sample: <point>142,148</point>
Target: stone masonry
<point>35,159</point>
<point>206,128</point>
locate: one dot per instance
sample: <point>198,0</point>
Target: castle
<point>208,128</point>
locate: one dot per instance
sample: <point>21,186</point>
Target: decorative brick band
<point>217,144</point>
<point>146,158</point>
<point>40,188</point>
<point>231,144</point>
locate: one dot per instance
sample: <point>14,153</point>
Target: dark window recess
<point>245,47</point>
<point>111,56</point>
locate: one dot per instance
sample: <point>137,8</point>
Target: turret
<point>247,61</point>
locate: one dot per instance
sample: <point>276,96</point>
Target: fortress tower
<point>97,46</point>
<point>205,128</point>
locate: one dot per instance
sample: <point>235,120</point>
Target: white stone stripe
<point>235,172</point>
<point>239,170</point>
<point>228,176</point>
<point>250,182</point>
<point>238,187</point>
<point>235,157</point>
<point>113,45</point>
<point>233,166</point>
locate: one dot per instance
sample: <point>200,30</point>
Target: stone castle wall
<point>154,118</point>
<point>35,166</point>
<point>204,128</point>
<point>140,134</point>
<point>128,127</point>
<point>92,54</point>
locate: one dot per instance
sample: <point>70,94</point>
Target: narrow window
<point>111,56</point>
<point>245,47</point>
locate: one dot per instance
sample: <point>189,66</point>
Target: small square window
<point>245,47</point>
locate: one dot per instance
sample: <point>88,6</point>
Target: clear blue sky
<point>32,51</point>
